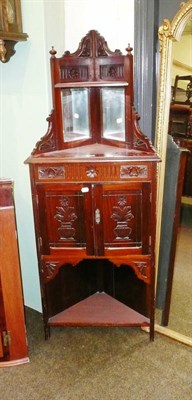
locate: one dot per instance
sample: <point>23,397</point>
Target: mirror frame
<point>170,31</point>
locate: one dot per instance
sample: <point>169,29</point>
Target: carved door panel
<point>99,218</point>
<point>63,220</point>
<point>126,210</point>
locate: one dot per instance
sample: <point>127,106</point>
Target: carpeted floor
<point>98,364</point>
<point>181,302</point>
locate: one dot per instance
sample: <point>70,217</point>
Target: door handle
<point>97,216</point>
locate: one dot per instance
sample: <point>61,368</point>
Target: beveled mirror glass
<point>169,34</point>
<point>113,113</point>
<point>75,113</point>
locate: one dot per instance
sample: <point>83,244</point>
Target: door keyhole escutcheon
<point>97,216</point>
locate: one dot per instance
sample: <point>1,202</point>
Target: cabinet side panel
<point>11,285</point>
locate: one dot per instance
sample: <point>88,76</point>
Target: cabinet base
<point>99,309</point>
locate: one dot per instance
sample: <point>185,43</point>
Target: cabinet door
<point>65,218</point>
<point>126,218</point>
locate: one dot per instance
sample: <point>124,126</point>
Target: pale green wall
<point>25,96</point>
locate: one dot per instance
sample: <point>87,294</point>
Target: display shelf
<point>99,309</point>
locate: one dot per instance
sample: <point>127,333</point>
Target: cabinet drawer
<point>93,172</point>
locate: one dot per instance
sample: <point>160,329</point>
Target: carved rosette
<point>122,214</point>
<point>112,71</point>
<point>65,214</point>
<point>76,73</point>
<point>91,172</point>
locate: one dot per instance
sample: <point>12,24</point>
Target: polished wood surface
<point>13,343</point>
<point>94,200</point>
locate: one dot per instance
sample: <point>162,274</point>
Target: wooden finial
<point>52,52</point>
<point>129,49</point>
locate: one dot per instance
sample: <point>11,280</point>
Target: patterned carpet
<point>98,364</point>
<point>181,303</point>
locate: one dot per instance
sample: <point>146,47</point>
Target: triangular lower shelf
<point>99,309</point>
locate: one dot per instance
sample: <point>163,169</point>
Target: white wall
<point>113,19</point>
<point>25,100</point>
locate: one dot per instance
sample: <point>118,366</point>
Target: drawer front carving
<point>133,171</point>
<point>93,172</point>
<point>51,172</point>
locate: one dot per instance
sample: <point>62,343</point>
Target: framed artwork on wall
<point>11,30</point>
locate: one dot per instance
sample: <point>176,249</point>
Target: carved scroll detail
<point>92,45</point>
<point>49,270</point>
<point>141,142</point>
<point>122,214</point>
<point>51,172</point>
<point>142,268</point>
<point>133,171</point>
<point>47,142</point>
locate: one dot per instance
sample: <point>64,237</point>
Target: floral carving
<point>91,172</point>
<point>66,216</point>
<point>122,214</point>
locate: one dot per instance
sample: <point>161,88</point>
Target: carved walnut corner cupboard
<point>93,179</point>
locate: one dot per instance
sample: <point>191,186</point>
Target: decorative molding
<point>141,266</point>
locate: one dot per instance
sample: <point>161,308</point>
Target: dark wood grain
<point>94,201</point>
<point>11,297</point>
